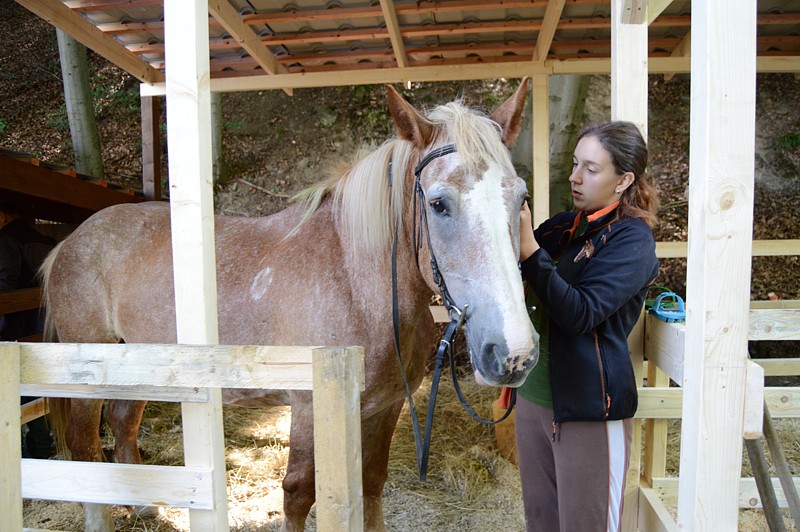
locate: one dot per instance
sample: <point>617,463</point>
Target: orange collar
<point>602,212</point>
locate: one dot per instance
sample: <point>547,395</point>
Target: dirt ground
<point>275,145</point>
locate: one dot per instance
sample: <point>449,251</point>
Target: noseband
<point>458,317</point>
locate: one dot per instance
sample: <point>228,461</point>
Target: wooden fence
<point>186,374</point>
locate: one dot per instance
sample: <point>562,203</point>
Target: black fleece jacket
<point>591,277</point>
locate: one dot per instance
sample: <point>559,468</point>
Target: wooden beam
<point>722,133</point>
<point>23,299</point>
<point>653,515</point>
<point>151,148</point>
<point>748,496</point>
<point>224,13</point>
<point>629,63</point>
<point>60,197</point>
<point>105,483</point>
<point>655,8</point>
<point>540,109</point>
<point>683,49</point>
<point>203,365</point>
<point>10,437</point>
<point>390,17</point>
<point>32,410</point>
<point>192,222</point>
<point>761,248</point>
<point>552,16</point>
<point>337,450</point>
<point>633,12</point>
<point>667,403</point>
<point>83,31</point>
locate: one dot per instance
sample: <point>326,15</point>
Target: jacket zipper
<point>606,397</point>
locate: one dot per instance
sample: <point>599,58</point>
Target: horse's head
<point>468,201</point>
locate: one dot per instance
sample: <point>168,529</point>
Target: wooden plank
<point>83,31</point>
<point>774,324</point>
<point>155,365</point>
<point>395,36</point>
<point>629,62</point>
<point>71,200</point>
<point>753,402</point>
<point>106,483</point>
<point>459,72</point>
<point>337,438</point>
<point>655,8</point>
<point>653,515</point>
<point>664,346</point>
<point>32,410</point>
<point>10,437</point>
<point>151,148</point>
<point>630,507</point>
<point>168,394</point>
<point>761,248</point>
<point>747,497</point>
<point>666,403</point>
<point>633,12</point>
<point>656,430</point>
<point>552,16</point>
<point>16,300</point>
<point>192,219</point>
<point>540,108</point>
<point>779,367</point>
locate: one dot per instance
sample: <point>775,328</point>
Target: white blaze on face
<point>485,204</point>
<point>260,284</point>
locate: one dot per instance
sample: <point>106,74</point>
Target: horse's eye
<point>524,201</point>
<point>438,207</point>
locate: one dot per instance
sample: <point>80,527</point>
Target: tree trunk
<point>80,106</point>
<point>567,104</point>
<point>220,169</point>
<point>567,95</point>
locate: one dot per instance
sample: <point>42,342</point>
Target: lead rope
<point>458,316</point>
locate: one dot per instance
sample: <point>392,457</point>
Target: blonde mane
<point>368,207</point>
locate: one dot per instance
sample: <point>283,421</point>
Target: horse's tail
<point>58,406</point>
<point>50,334</point>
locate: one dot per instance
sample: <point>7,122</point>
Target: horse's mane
<point>368,207</point>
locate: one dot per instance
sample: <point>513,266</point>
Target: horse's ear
<point>411,125</point>
<point>509,115</point>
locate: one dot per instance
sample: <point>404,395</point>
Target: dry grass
<point>470,487</point>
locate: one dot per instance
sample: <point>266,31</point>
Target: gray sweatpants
<point>573,479</point>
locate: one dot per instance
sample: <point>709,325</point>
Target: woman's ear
<point>625,181</point>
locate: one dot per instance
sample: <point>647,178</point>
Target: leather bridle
<point>458,317</point>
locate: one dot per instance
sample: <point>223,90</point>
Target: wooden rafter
<point>634,11</point>
<point>548,29</point>
<point>655,8</point>
<point>83,31</point>
<point>390,17</point>
<point>224,13</point>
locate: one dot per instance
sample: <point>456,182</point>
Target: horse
<point>320,272</point>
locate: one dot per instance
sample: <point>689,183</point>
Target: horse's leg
<point>298,484</point>
<point>124,418</point>
<point>376,438</point>
<point>83,441</point>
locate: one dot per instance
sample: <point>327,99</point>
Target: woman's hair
<point>628,150</point>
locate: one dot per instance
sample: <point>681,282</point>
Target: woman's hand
<point>527,243</point>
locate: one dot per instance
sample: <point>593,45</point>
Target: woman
<point>587,272</point>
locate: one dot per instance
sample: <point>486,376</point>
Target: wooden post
<point>337,438</point>
<point>540,111</point>
<point>629,102</point>
<point>192,216</point>
<point>721,177</point>
<point>151,147</point>
<point>10,442</point>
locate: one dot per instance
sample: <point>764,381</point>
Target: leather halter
<point>458,317</point>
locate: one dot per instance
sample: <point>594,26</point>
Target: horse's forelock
<point>476,136</point>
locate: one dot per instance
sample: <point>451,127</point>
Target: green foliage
<point>234,125</point>
<point>3,125</point>
<point>787,154</point>
<point>790,141</point>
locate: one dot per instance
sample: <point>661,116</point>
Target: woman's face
<point>594,180</point>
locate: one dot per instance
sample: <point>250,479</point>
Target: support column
<point>721,178</point>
